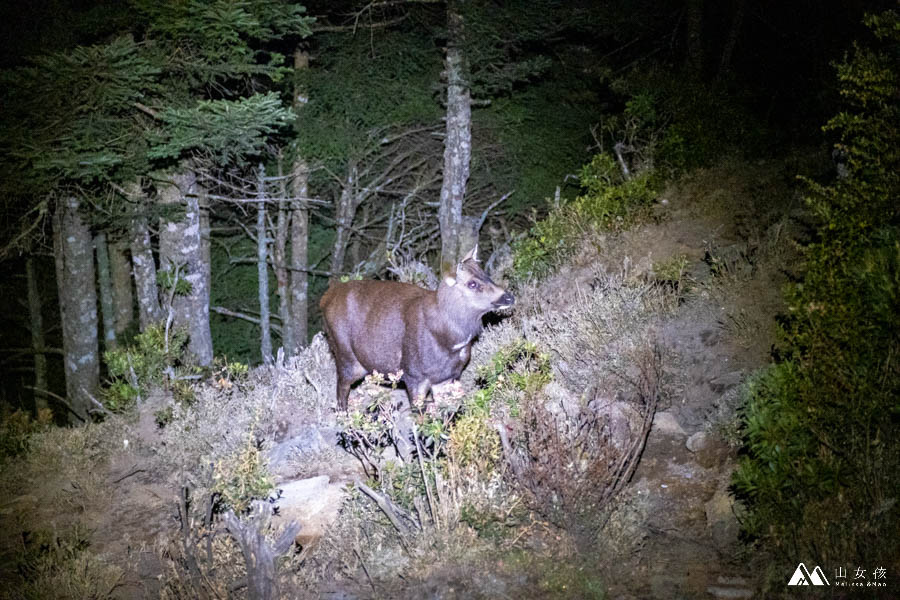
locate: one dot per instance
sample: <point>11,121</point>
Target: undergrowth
<point>610,200</point>
<point>150,360</point>
<point>60,565</point>
<point>822,426</point>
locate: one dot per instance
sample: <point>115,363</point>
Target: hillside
<point>684,302</point>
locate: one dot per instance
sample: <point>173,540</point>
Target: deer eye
<point>473,285</point>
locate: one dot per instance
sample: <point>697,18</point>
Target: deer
<point>389,326</point>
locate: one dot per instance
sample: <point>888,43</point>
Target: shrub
<point>134,368</point>
<point>243,476</point>
<point>610,200</point>
<point>18,427</point>
<point>702,121</point>
<point>821,475</point>
<point>51,565</point>
<point>454,474</point>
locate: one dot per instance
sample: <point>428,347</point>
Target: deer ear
<point>472,254</point>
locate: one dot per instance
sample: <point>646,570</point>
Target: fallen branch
<point>386,508</point>
<point>58,398</point>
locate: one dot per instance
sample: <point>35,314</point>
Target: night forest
<point>694,204</point>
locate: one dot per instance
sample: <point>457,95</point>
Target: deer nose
<point>505,301</point>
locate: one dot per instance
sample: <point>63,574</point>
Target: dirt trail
<point>729,225</point>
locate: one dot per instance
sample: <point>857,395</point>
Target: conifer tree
<point>185,85</point>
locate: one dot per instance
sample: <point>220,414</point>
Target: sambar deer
<point>388,326</point>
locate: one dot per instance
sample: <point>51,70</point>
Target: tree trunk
<point>205,245</point>
<point>694,57</point>
<point>104,281</point>
<point>262,269</point>
<point>149,310</point>
<point>123,297</point>
<point>468,233</point>
<point>299,279</point>
<point>734,33</point>
<point>299,256</point>
<point>181,254</point>
<point>74,255</point>
<point>356,244</point>
<point>457,142</point>
<point>145,285</point>
<point>36,319</point>
<point>343,216</point>
<point>279,263</point>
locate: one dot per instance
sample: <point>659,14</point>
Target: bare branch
<point>239,315</point>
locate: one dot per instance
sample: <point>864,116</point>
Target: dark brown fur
<point>387,326</point>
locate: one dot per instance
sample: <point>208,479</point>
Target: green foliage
<point>404,482</point>
<point>672,273</point>
<point>822,428</point>
<point>231,371</point>
<point>517,370</point>
<point>361,87</point>
<point>455,433</point>
<point>609,200</point>
<point>143,363</point>
<point>533,138</point>
<point>498,41</point>
<point>518,367</point>
<point>98,117</point>
<point>166,279</point>
<point>474,443</point>
<point>220,41</point>
<point>243,476</point>
<point>232,131</point>
<point>71,113</point>
<point>698,122</point>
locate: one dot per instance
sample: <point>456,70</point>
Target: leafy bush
<point>821,475</point>
<point>518,367</point>
<point>243,476</point>
<point>698,122</point>
<point>136,367</point>
<point>610,200</point>
<point>454,472</point>
<point>515,370</point>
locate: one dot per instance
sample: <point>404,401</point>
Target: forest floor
<point>721,242</point>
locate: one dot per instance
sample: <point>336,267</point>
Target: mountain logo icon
<point>802,576</point>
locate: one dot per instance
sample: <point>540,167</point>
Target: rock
<point>709,450</point>
<point>720,520</point>
<point>731,587</point>
<point>624,421</point>
<point>308,439</point>
<point>723,383</point>
<point>665,422</point>
<point>710,337</point>
<point>314,503</point>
